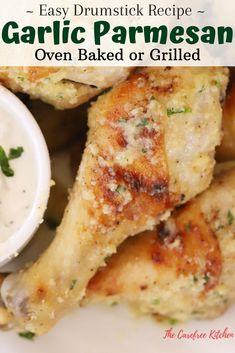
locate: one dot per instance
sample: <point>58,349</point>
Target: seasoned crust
<point>184,245</point>
<point>186,140</point>
<point>141,160</point>
<point>63,87</point>
<point>185,268</point>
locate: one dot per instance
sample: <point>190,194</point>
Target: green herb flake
<point>28,335</point>
<point>217,82</point>
<point>114,304</point>
<point>156,301</point>
<point>222,297</point>
<point>144,122</point>
<point>4,160</point>
<point>122,121</point>
<point>220,227</point>
<point>173,111</point>
<point>196,312</point>
<point>152,98</point>
<point>172,321</point>
<point>20,78</point>
<point>120,189</point>
<point>225,300</point>
<point>15,153</point>
<point>4,164</point>
<point>188,227</point>
<point>230,217</point>
<point>195,279</point>
<point>144,150</point>
<point>73,284</point>
<point>202,89</point>
<point>206,278</point>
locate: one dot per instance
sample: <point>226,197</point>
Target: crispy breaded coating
<point>62,87</point>
<point>148,150</point>
<point>185,269</point>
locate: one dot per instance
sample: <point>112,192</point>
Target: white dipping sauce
<point>17,193</point>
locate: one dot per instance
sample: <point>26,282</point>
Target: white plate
<point>100,329</point>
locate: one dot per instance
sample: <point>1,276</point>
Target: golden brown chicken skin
<point>185,269</point>
<point>62,87</point>
<point>148,150</point>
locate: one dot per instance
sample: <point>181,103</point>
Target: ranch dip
<point>17,192</point>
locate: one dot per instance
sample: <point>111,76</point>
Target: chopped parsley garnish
<point>220,226</point>
<point>195,279</point>
<point>120,189</point>
<point>114,304</point>
<point>202,89</point>
<point>4,160</point>
<point>230,217</point>
<point>27,334</point>
<point>173,111</point>
<point>121,121</point>
<point>15,153</point>
<point>4,163</point>
<point>20,78</point>
<point>217,83</point>
<point>188,227</point>
<point>143,122</point>
<point>172,321</point>
<point>73,284</point>
<point>52,223</point>
<point>156,301</point>
<point>222,297</point>
<point>152,98</point>
<point>196,312</point>
<point>206,278</point>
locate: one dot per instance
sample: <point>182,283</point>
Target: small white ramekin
<point>17,241</point>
